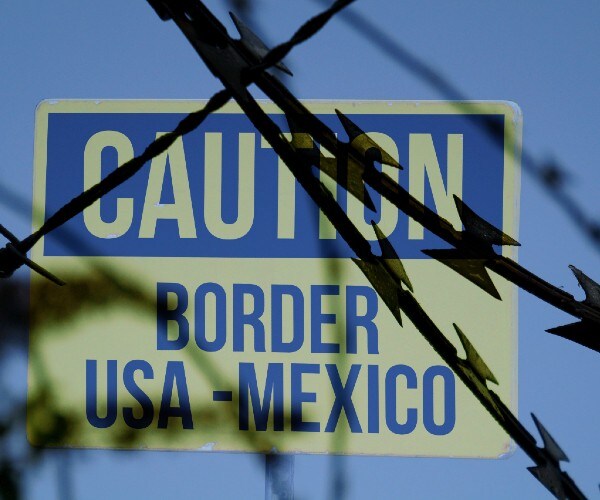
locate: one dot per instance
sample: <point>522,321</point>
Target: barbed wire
<point>478,235</point>
<point>239,62</point>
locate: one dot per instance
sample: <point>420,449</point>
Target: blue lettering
<point>318,318</point>
<point>91,393</point>
<point>273,393</point>
<point>241,318</point>
<point>449,400</point>
<point>140,396</point>
<point>277,343</point>
<point>373,401</point>
<point>164,315</point>
<point>343,398</point>
<point>175,376</point>
<point>391,399</point>
<point>299,397</point>
<point>354,321</point>
<point>220,317</point>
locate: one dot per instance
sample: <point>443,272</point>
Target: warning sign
<point>209,305</point>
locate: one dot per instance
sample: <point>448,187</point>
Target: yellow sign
<point>210,306</point>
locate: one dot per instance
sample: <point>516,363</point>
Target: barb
<point>306,31</point>
<point>11,258</point>
<point>252,42</point>
<point>550,174</point>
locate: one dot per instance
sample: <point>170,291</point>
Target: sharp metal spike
<point>550,445</point>
<point>474,359</point>
<point>300,138</point>
<point>11,259</point>
<point>469,370</point>
<point>480,228</point>
<point>22,258</point>
<point>363,143</point>
<point>472,269</point>
<point>584,333</point>
<point>551,477</point>
<point>390,258</point>
<point>383,283</point>
<point>254,44</point>
<point>590,287</point>
<point>351,182</point>
<point>294,119</point>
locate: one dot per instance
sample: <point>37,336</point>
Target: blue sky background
<point>541,55</point>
